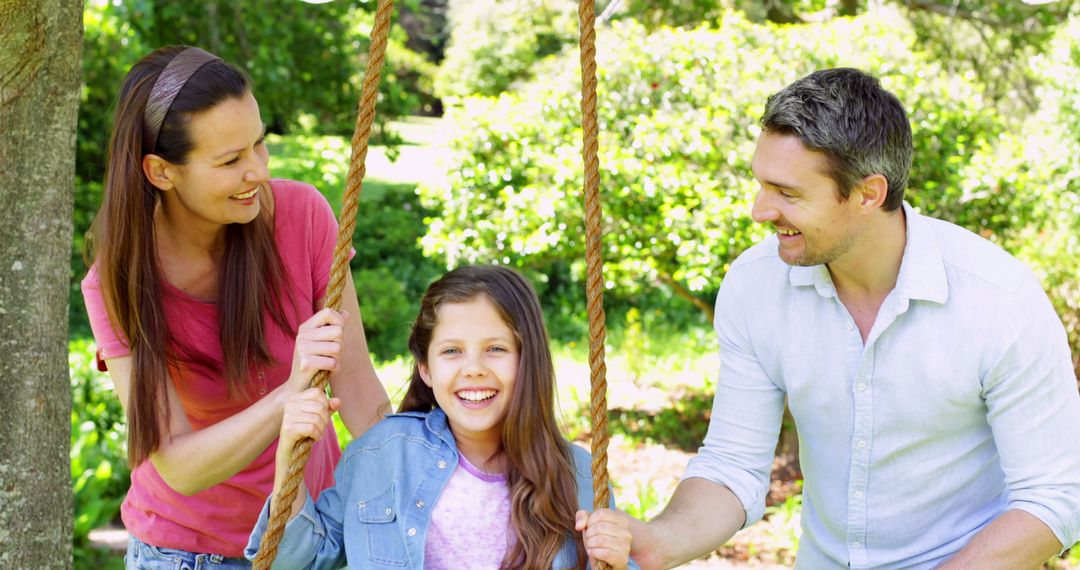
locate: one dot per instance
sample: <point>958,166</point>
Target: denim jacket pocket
<point>386,543</point>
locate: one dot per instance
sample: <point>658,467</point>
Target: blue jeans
<point>142,556</point>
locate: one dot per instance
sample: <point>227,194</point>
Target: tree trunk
<point>40,62</point>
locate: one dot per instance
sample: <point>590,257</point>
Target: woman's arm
<point>193,460</point>
<point>364,400</point>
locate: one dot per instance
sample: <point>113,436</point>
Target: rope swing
<point>282,502</point>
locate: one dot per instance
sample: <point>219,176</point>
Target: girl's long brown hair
<point>123,249</point>
<point>543,489</point>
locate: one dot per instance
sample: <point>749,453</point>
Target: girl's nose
<point>474,367</point>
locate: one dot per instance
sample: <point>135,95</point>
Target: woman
<point>204,295</point>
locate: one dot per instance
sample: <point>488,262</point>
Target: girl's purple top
<point>470,523</point>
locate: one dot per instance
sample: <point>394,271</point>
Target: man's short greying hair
<point>846,115</point>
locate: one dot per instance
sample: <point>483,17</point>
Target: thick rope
<point>594,285</point>
<point>281,505</point>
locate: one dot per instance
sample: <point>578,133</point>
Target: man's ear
<point>158,171</point>
<point>872,191</point>
<point>425,374</point>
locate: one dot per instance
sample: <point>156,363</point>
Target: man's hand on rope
<point>318,344</point>
<point>606,534</point>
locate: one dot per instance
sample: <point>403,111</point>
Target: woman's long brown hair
<point>540,473</point>
<point>123,249</point>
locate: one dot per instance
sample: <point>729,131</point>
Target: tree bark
<point>40,70</point>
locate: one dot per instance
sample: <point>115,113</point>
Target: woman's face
<point>226,169</point>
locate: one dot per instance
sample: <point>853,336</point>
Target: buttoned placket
<point>862,436</point>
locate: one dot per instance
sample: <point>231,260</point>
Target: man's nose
<point>763,210</point>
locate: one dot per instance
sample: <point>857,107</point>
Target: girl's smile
<point>472,365</point>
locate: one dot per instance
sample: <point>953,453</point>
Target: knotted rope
<point>594,284</point>
<point>281,506</point>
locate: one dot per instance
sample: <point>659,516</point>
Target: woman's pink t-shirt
<point>218,520</point>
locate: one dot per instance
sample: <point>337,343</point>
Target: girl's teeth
<point>476,395</point>
<point>245,195</point>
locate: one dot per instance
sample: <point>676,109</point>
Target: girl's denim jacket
<point>376,514</point>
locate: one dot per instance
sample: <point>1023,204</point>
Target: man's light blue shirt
<point>961,404</point>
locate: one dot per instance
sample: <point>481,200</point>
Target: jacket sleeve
<point>314,538</point>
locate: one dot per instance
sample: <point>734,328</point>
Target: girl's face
<point>226,169</point>
<point>471,367</point>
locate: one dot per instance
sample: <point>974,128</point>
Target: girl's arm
<point>364,400</point>
<point>193,460</point>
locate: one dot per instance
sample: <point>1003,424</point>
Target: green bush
<point>99,471</point>
<point>1052,147</point>
<point>678,113</point>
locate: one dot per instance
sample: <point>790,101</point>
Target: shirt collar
<point>922,270</point>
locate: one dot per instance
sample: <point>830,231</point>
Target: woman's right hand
<point>318,345</point>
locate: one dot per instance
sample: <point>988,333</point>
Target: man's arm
<point>1034,413</point>
<point>1015,540</point>
<point>701,516</point>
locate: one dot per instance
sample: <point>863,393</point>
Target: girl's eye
<point>450,351</point>
<point>233,161</point>
<point>497,349</point>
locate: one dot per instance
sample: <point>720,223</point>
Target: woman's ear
<point>158,171</point>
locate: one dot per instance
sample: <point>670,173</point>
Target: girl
<point>204,295</point>
<point>472,473</point>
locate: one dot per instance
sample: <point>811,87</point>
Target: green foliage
<point>1052,147</point>
<point>99,472</point>
<point>678,113</point>
<point>494,44</point>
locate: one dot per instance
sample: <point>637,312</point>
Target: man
<point>927,372</point>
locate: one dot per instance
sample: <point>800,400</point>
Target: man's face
<point>800,201</point>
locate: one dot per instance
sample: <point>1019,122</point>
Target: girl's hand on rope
<point>606,534</point>
<point>318,345</point>
<point>306,414</point>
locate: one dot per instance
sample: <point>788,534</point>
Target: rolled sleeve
<point>1034,411</point>
<point>314,538</point>
<point>746,415</point>
<point>300,541</point>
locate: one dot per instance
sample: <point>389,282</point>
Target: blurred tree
<point>39,86</point>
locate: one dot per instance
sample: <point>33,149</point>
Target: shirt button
<point>850,326</point>
<point>858,494</point>
<point>389,511</point>
<point>856,543</point>
<point>420,504</point>
<point>441,464</point>
<point>862,443</point>
<point>411,532</point>
<point>861,386</point>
